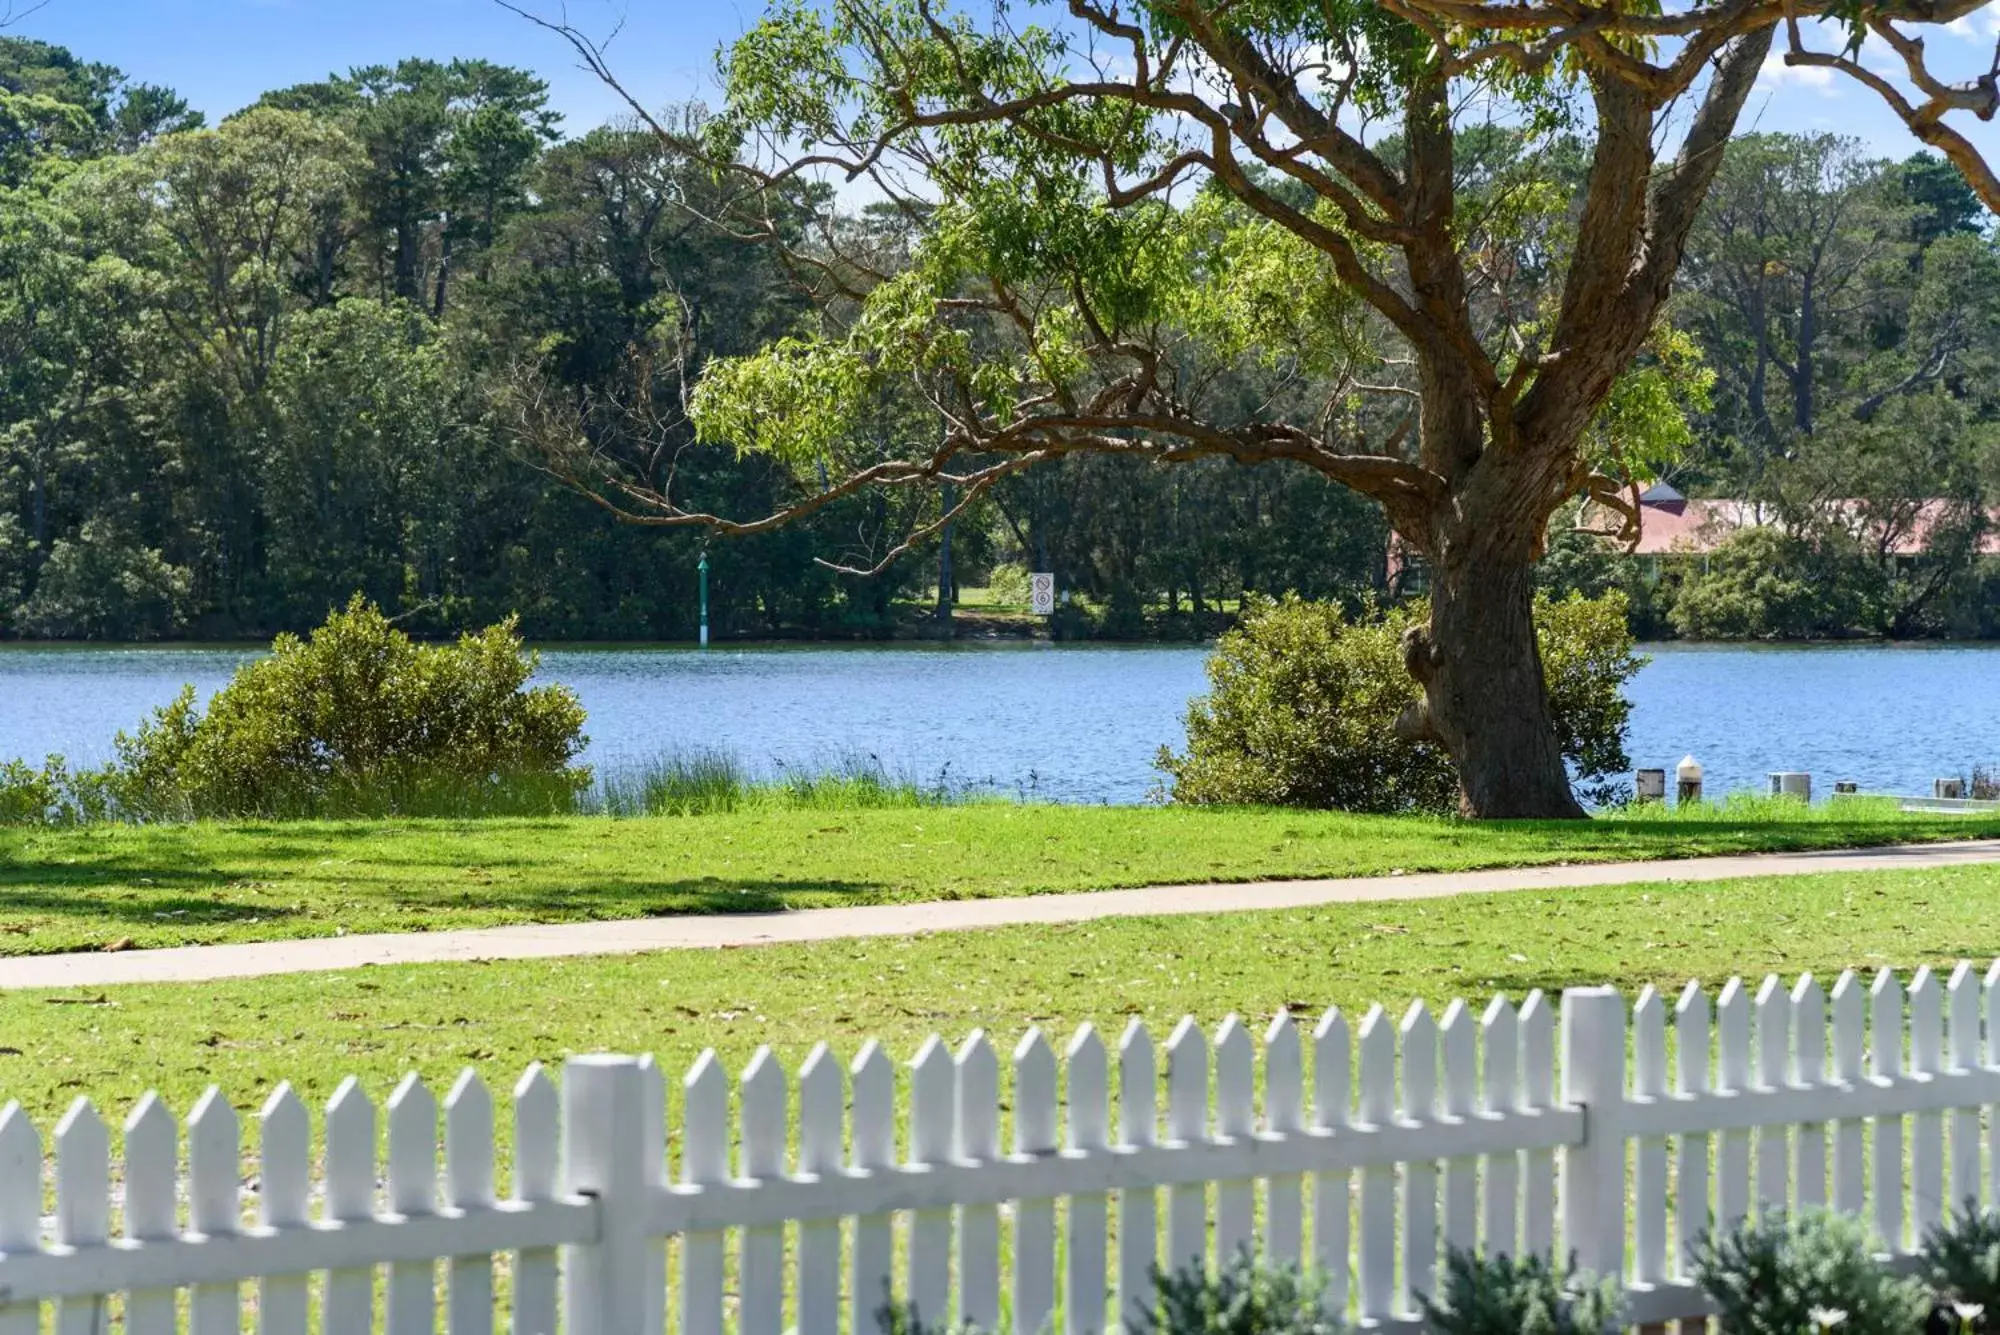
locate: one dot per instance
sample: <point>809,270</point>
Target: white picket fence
<point>1460,1135</point>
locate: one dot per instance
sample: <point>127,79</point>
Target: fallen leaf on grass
<point>122,943</point>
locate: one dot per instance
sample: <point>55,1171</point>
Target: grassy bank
<point>114,886</point>
<point>314,1028</point>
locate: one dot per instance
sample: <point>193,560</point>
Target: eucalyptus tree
<point>1117,198</point>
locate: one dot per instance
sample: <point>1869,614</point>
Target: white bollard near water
<point>1791,783</point>
<point>1687,780</point>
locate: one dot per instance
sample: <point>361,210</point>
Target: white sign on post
<point>1042,594</point>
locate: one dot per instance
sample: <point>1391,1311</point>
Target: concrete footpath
<point>193,964</point>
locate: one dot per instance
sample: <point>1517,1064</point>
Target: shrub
<point>1303,703</point>
<point>359,720</point>
<point>1009,583</point>
<point>1960,1262</point>
<point>1248,1296</point>
<point>1505,1295</point>
<point>1762,583</point>
<point>1788,1273</point>
<point>54,794</point>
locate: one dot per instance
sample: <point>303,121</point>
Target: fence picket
<point>1850,1188</point>
<point>1809,1072</point>
<point>1886,1062</point>
<point>152,1174</point>
<point>468,1185</point>
<point>284,1186</point>
<point>214,1207</point>
<point>1187,1124</point>
<point>1500,1040</point>
<point>1774,1068</point>
<point>933,1114</point>
<point>822,1145</point>
<point>978,1073</point>
<point>1376,1107</point>
<point>1962,1008</point>
<point>20,1207</point>
<point>1089,1129</point>
<point>1992,991</point>
<point>1692,1209</point>
<point>347,1304</point>
<point>1034,1221</point>
<point>871,1261</point>
<point>1460,1048</point>
<point>704,1160</point>
<point>652,1171</point>
<point>1926,1019</point>
<point>1649,1176</point>
<point>761,1276</point>
<point>1732,1156</point>
<point>537,1141</point>
<point>1420,1178</point>
<point>1332,1111</point>
<point>1138,1208</point>
<point>412,1298</point>
<point>83,1204</point>
<point>1235,1119</point>
<point>1284,1113</point>
<point>1538,1075</point>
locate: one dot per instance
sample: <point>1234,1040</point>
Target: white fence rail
<point>1874,1102</point>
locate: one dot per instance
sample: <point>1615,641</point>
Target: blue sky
<point>222,53</point>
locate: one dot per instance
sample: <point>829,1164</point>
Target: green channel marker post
<point>704,600</point>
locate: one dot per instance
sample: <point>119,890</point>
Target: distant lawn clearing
<point>137,887</point>
<point>376,1023</point>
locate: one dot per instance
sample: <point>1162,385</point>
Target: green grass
<point>376,1023</point>
<point>144,886</point>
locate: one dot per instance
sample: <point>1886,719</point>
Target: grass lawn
<point>377,1023</point>
<point>123,886</point>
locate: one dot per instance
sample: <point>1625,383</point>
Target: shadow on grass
<point>162,896</point>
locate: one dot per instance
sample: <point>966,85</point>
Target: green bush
<point>1009,584</point>
<point>1762,583</point>
<point>359,720</point>
<point>1249,1295</point>
<point>1303,703</point>
<point>1960,1262</point>
<point>1787,1274</point>
<point>55,794</point>
<point>1507,1295</point>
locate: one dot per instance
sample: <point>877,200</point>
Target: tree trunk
<point>1487,701</point>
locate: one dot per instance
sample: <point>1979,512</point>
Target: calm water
<point>1082,724</point>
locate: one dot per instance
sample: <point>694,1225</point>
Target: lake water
<point>1082,724</point>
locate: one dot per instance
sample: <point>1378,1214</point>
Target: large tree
<point>1117,197</point>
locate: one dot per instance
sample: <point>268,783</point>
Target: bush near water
<point>356,719</point>
<point>1303,701</point>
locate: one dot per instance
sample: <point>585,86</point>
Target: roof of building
<point>1693,527</point>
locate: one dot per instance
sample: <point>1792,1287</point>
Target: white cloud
<point>1777,74</point>
<point>1962,27</point>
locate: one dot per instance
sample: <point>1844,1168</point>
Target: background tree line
<point>249,370</point>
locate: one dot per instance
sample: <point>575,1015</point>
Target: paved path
<point>191,964</point>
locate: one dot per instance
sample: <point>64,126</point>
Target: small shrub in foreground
<point>1508,1295</point>
<point>1794,1274</point>
<point>1960,1262</point>
<point>1249,1295</point>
